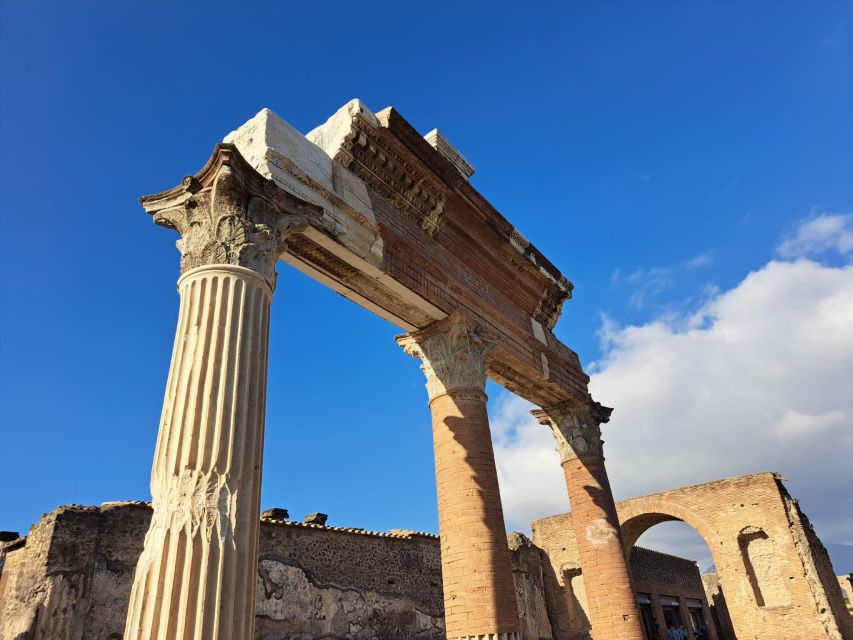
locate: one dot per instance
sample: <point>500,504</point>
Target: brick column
<point>685,614</point>
<point>657,610</point>
<point>195,578</point>
<point>613,611</point>
<point>479,593</point>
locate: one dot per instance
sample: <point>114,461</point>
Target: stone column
<point>613,611</point>
<point>479,593</point>
<point>195,578</point>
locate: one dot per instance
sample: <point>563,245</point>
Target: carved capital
<point>576,426</point>
<point>228,213</point>
<point>453,354</point>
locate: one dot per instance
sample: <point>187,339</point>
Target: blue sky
<point>657,153</point>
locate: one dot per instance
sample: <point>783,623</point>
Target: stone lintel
<point>369,176</point>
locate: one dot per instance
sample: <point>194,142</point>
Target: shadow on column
<point>472,433</point>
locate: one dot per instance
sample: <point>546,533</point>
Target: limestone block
<point>280,152</point>
<point>441,144</point>
<point>275,514</point>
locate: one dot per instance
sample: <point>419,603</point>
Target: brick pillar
<point>657,610</point>
<point>613,611</point>
<point>686,620</point>
<point>479,593</point>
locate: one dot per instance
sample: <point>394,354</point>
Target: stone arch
<point>637,516</point>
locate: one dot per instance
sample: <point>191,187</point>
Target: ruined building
<point>70,579</point>
<point>388,219</point>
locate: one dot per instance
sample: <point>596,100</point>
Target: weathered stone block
<point>316,518</point>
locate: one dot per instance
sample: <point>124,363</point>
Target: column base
<point>513,635</point>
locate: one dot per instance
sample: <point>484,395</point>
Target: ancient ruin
<point>387,218</point>
<point>71,577</point>
<point>773,575</point>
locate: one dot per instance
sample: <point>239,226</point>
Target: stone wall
<point>70,579</point>
<point>527,565</point>
<point>324,582</point>
<point>846,583</point>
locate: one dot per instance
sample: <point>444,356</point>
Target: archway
<point>670,561</point>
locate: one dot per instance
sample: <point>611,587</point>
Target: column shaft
<point>610,595</point>
<point>196,576</point>
<point>612,604</point>
<point>479,592</point>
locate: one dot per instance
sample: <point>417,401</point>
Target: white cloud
<point>531,478</point>
<point>700,260</point>
<point>649,282</point>
<point>818,235</point>
<point>760,378</point>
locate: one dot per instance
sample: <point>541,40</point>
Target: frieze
<point>377,163</point>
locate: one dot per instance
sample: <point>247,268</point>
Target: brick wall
<point>656,572</point>
<point>771,565</point>
<point>660,574</point>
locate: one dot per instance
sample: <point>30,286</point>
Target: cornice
<point>374,159</point>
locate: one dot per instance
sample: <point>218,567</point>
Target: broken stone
<point>316,518</point>
<point>275,514</point>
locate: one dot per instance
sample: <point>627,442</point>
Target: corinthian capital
<point>453,354</point>
<point>576,426</point>
<point>228,213</point>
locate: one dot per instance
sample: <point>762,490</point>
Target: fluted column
<point>479,593</point>
<point>576,426</point>
<point>195,578</point>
